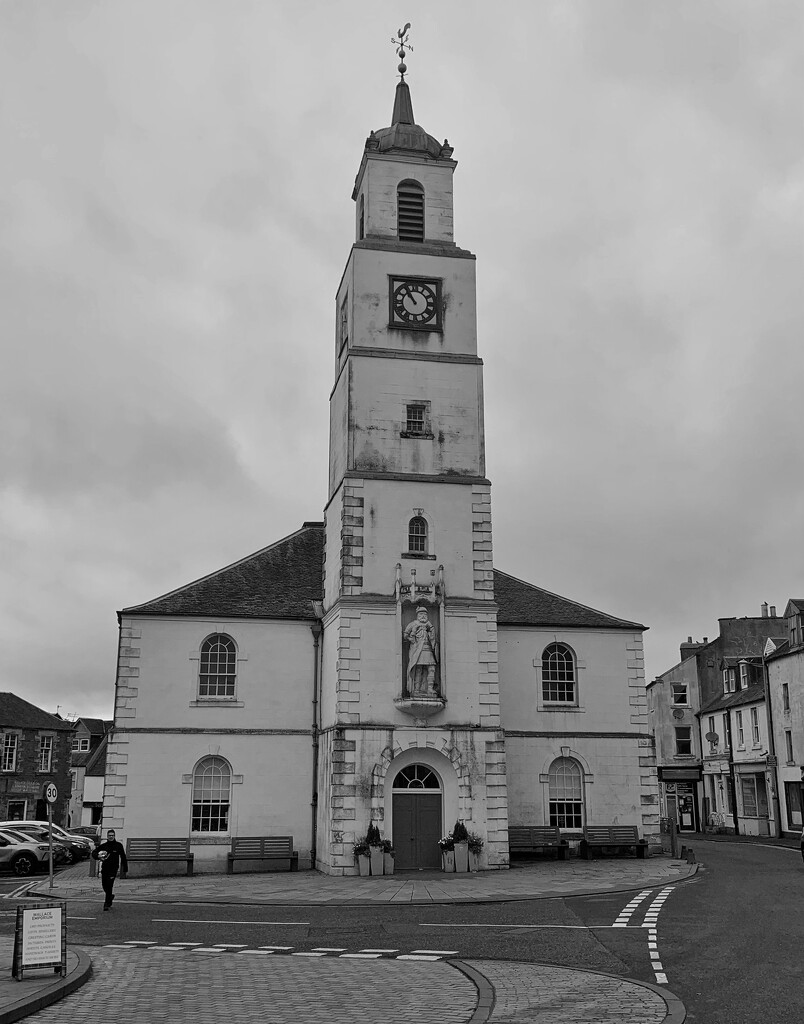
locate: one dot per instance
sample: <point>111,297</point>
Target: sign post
<point>51,795</point>
<point>40,939</point>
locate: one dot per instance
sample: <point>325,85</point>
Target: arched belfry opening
<point>410,211</point>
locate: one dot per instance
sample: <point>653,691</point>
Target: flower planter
<point>388,863</point>
<point>377,857</point>
<point>448,860</point>
<point>474,861</point>
<point>364,863</point>
<point>461,856</point>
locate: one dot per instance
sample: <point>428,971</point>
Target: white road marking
<point>276,947</point>
<point>436,952</point>
<point>308,954</point>
<point>206,949</point>
<point>336,949</point>
<point>361,956</point>
<point>379,950</point>
<point>651,922</point>
<point>229,945</point>
<point>416,956</point>
<point>188,920</point>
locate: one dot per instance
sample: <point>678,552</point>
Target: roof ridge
<point>226,568</point>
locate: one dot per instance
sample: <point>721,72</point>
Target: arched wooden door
<point>417,802</point>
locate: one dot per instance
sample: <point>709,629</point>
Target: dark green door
<point>417,829</point>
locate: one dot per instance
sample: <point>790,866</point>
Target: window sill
<point>425,435</point>
<point>558,706</point>
<point>417,554</point>
<point>217,702</point>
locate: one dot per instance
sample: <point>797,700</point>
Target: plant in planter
<point>475,849</point>
<point>374,841</point>
<point>388,857</point>
<point>460,836</point>
<point>362,852</point>
<point>447,847</point>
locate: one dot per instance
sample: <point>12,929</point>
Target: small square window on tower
<point>417,420</point>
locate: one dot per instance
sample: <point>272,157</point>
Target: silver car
<point>23,857</point>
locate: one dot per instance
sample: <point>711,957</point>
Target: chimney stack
<point>773,611</point>
<point>764,609</point>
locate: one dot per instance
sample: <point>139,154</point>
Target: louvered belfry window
<point>410,211</point>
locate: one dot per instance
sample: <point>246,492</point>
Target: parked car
<point>93,832</point>
<point>61,855</point>
<point>22,854</point>
<point>78,847</point>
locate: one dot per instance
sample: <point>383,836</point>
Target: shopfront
<point>679,787</point>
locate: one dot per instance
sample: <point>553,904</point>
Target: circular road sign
<point>51,793</point>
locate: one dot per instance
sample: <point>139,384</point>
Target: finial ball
<point>402,68</point>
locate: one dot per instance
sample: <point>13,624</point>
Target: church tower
<point>411,736</point>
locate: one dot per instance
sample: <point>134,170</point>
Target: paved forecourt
<point>533,880</point>
<point>135,985</point>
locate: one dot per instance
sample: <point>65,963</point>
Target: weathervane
<point>402,42</point>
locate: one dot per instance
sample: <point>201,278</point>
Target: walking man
<point>110,854</point>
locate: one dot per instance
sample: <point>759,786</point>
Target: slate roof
<point>79,758</point>
<point>20,714</point>
<point>96,762</point>
<point>95,726</point>
<point>751,695</point>
<point>522,604</point>
<point>278,582</point>
<point>282,580</point>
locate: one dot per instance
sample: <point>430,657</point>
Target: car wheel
<point>24,864</point>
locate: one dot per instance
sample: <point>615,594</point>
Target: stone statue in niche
<point>422,637</point>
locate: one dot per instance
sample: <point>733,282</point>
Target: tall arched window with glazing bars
<point>558,675</point>
<point>417,535</point>
<point>212,781</point>
<point>565,780</point>
<point>217,673</point>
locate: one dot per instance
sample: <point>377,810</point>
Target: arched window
<point>212,780</point>
<point>566,793</point>
<point>217,672</point>
<point>558,675</point>
<point>410,211</point>
<point>417,776</point>
<point>417,535</point>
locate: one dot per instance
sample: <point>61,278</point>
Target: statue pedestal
<point>420,707</point>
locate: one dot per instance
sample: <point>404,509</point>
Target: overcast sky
<point>176,213</point>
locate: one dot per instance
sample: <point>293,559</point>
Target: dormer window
<point>410,211</point>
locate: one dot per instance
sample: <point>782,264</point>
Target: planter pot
<point>461,856</point>
<point>448,860</point>
<point>376,860</point>
<point>474,861</point>
<point>388,863</point>
<point>364,863</point>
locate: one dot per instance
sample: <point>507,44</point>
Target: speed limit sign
<point>51,793</point>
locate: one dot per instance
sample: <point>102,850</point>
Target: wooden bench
<point>603,837</point>
<point>160,851</point>
<point>277,851</point>
<point>530,838</point>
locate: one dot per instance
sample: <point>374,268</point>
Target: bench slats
<point>528,838</point>
<point>270,848</point>
<point>160,849</point>
<point>605,836</point>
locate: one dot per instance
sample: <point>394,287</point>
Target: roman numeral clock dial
<point>415,303</point>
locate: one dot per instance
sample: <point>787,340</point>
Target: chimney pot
<point>773,611</point>
<point>764,607</point>
<point>705,640</point>
<point>689,639</point>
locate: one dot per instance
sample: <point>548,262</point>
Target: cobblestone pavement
<point>135,985</point>
<point>532,880</point>
<point>554,995</point>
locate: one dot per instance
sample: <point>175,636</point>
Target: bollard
<point>690,856</point>
<point>683,853</point>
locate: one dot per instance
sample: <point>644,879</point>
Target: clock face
<point>414,302</point>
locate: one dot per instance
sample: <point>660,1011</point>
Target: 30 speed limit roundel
<point>51,793</point>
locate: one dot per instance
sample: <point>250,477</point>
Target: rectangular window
<point>795,805</point>
<point>788,745</point>
<point>712,734</point>
<point>740,733</point>
<point>683,740</point>
<point>566,813</point>
<point>680,693</point>
<point>755,727</point>
<point>726,732</point>
<point>9,752</point>
<point>45,753</point>
<point>785,697</point>
<point>743,676</point>
<point>732,680</point>
<point>80,744</point>
<point>725,680</point>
